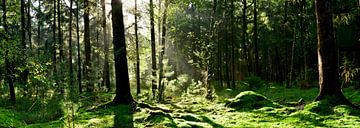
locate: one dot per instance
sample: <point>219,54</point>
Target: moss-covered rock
<point>250,100</point>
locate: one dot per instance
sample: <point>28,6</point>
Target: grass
<point>230,109</point>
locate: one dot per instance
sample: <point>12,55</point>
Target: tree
<point>54,44</point>
<point>137,51</point>
<point>9,68</point>
<point>153,50</point>
<point>106,73</point>
<point>29,23</point>
<point>161,64</point>
<point>87,65</point>
<point>71,74</point>
<point>61,52</point>
<point>244,33</point>
<point>327,57</point>
<point>123,94</point>
<point>256,47</point>
<point>78,47</point>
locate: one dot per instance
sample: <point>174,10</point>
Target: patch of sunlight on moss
<point>319,107</point>
<point>249,100</point>
<point>346,110</point>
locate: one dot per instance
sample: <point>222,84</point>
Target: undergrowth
<point>264,108</point>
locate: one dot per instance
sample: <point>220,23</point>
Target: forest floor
<point>274,106</point>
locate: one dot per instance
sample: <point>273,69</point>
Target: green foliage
<point>10,118</point>
<point>254,82</point>
<point>349,71</point>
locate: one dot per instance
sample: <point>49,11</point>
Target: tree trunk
<point>78,48</point>
<point>244,28</point>
<point>71,70</point>
<point>161,64</point>
<point>9,68</point>
<point>256,47</point>
<point>153,50</point>
<point>24,73</point>
<point>233,49</point>
<point>23,38</point>
<point>87,66</point>
<point>137,75</point>
<point>29,24</point>
<point>54,45</point>
<point>327,58</point>
<point>106,73</point>
<point>123,94</point>
<point>39,16</point>
<point>60,74</point>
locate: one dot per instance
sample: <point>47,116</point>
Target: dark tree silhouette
<point>123,94</point>
<point>87,64</point>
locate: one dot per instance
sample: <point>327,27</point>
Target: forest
<point>179,63</point>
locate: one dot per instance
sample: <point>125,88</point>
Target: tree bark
<point>54,45</point>
<point>87,66</point>
<point>106,73</point>
<point>9,68</point>
<point>161,64</point>
<point>138,90</point>
<point>327,56</point>
<point>256,47</point>
<point>153,50</point>
<point>78,48</point>
<point>123,94</point>
<point>71,70</point>
<point>24,73</point>
<point>29,24</point>
<point>244,33</point>
<point>61,51</point>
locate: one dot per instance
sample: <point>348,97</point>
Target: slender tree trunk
<point>212,33</point>
<point>137,75</point>
<point>153,50</point>
<point>61,54</point>
<point>24,73</point>
<point>244,28</point>
<point>123,94</point>
<point>327,55</point>
<point>106,73</point>
<point>159,22</point>
<point>71,70</point>
<point>29,24</point>
<point>23,38</point>
<point>87,66</point>
<point>256,47</point>
<point>78,47</point>
<point>9,68</point>
<point>226,23</point>
<point>54,45</point>
<point>233,48</point>
<point>292,61</point>
<point>39,16</point>
<point>302,37</point>
<point>161,64</point>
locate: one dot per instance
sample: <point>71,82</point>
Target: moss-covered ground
<point>267,107</point>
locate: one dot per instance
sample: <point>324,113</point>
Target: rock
<point>250,100</point>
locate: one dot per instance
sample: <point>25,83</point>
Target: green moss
<point>346,110</point>
<point>249,100</point>
<point>9,118</point>
<point>320,107</point>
